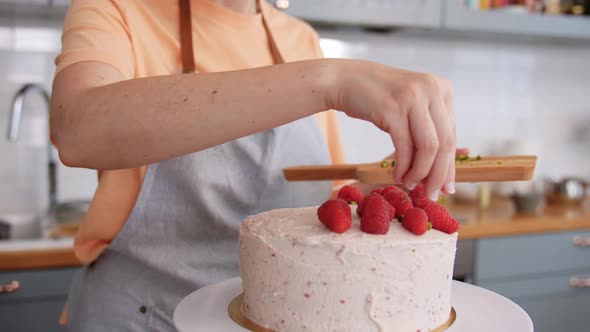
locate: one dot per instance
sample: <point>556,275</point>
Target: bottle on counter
<point>553,7</point>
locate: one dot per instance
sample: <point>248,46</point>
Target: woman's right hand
<point>416,109</point>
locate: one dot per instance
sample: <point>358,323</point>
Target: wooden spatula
<point>487,169</point>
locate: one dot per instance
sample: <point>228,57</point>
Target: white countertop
<point>35,244</point>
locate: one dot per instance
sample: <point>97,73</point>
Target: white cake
<point>299,276</point>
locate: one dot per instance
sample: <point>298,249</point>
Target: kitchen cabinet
<point>25,2</point>
<point>34,8</point>
<point>438,15</point>
<point>37,304</point>
<point>433,14</point>
<point>458,17</point>
<point>424,13</point>
<point>539,273</point>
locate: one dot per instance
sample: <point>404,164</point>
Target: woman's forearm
<point>141,121</point>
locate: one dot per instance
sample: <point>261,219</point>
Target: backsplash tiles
<point>512,95</point>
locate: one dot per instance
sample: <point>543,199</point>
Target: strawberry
<point>418,196</point>
<point>376,191</point>
<point>399,200</point>
<point>350,194</point>
<point>391,212</point>
<point>376,215</point>
<point>440,218</point>
<point>416,221</point>
<point>387,189</point>
<point>361,206</point>
<point>335,214</point>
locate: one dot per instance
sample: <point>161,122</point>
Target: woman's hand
<point>416,109</point>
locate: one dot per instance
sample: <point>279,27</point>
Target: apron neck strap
<point>186,36</point>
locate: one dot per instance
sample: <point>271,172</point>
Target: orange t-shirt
<point>141,39</point>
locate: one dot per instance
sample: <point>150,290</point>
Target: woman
<point>215,141</point>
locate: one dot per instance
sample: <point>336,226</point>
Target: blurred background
<point>521,75</point>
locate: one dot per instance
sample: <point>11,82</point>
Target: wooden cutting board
<point>487,169</point>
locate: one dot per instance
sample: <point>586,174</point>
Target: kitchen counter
<point>37,254</point>
<point>500,219</point>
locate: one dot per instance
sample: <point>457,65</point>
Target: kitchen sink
<point>61,222</point>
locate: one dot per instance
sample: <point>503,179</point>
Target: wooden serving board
<point>488,169</point>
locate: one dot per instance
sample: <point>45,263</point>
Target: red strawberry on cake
<point>416,221</point>
<point>441,219</point>
<point>399,200</point>
<point>360,208</point>
<point>377,215</point>
<point>376,191</point>
<point>336,215</point>
<point>388,189</point>
<point>418,196</point>
<point>350,194</point>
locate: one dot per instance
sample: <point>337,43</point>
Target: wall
<point>521,93</point>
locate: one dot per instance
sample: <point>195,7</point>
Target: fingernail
<point>411,186</point>
<point>451,187</point>
<point>434,196</point>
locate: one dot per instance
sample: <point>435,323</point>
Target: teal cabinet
<point>37,304</point>
<point>542,274</point>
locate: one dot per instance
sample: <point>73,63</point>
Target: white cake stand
<point>477,309</point>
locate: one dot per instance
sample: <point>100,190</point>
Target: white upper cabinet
<point>378,13</point>
<point>458,17</point>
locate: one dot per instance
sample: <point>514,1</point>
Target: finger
<point>438,176</point>
<point>449,188</point>
<point>404,147</point>
<point>425,141</point>
<point>437,180</point>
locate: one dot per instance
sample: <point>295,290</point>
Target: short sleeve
<point>95,30</point>
<point>316,46</point>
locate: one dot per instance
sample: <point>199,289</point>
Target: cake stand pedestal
<point>477,309</point>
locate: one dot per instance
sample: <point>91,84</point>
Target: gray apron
<point>182,233</point>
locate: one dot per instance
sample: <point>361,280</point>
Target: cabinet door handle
<point>580,282</point>
<point>10,287</point>
<point>581,241</point>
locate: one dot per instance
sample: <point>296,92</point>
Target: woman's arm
<point>101,121</point>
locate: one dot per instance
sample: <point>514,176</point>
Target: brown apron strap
<point>274,49</point>
<point>186,37</point>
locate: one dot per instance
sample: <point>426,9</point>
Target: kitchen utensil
<point>566,191</point>
<point>528,196</point>
<point>487,169</point>
<point>527,203</point>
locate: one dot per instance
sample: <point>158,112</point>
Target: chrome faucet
<point>16,111</point>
